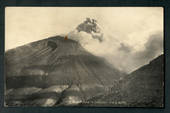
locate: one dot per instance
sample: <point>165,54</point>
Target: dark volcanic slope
<point>55,66</point>
<point>145,86</point>
<point>142,88</point>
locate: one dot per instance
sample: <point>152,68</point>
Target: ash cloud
<point>90,26</point>
<point>120,54</point>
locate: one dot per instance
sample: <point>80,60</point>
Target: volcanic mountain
<point>55,71</point>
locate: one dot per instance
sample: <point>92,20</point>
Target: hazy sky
<point>132,34</point>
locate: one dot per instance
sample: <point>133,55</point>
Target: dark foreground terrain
<point>142,88</point>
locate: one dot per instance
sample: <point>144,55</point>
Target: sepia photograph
<point>84,56</point>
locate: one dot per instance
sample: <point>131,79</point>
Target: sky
<point>132,35</point>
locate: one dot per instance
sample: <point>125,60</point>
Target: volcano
<point>54,72</point>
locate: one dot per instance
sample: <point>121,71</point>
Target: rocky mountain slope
<point>142,88</point>
<point>145,86</point>
<point>54,72</point>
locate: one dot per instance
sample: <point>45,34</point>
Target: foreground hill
<point>145,86</point>
<point>142,88</point>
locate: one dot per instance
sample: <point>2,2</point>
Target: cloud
<point>125,48</point>
<point>129,59</point>
<point>122,56</point>
<point>152,48</point>
<point>90,26</point>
